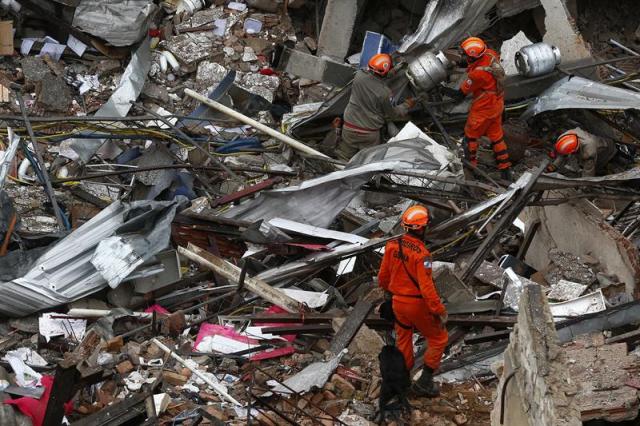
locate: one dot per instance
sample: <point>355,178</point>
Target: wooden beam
<point>232,272</point>
<point>299,329</point>
<point>354,321</point>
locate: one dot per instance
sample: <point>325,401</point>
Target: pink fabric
<point>157,308</point>
<point>35,409</point>
<point>207,329</point>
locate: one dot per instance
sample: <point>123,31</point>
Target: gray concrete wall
<point>578,228</point>
<point>562,32</point>
<point>541,392</point>
<point>337,29</point>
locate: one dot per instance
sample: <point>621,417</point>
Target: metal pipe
<point>170,166</point>
<point>623,47</point>
<point>259,126</point>
<point>45,174</point>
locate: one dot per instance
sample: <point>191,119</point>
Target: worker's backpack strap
<point>497,71</point>
<point>413,280</point>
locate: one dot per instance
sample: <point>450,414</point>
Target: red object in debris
<point>157,309</point>
<point>311,247</point>
<point>35,409</point>
<point>155,32</point>
<point>267,71</point>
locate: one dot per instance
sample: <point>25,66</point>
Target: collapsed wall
<point>578,227</point>
<point>535,388</point>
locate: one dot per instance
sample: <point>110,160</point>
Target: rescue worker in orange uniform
<point>487,106</point>
<point>406,274</point>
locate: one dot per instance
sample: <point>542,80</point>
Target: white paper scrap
<point>53,50</point>
<point>69,328</point>
<point>76,45</point>
<point>27,44</point>
<point>312,299</point>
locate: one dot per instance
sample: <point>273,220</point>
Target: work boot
<point>424,386</point>
<point>506,174</point>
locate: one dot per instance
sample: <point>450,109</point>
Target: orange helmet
<point>380,64</point>
<point>567,144</point>
<point>415,217</point>
<point>474,47</point>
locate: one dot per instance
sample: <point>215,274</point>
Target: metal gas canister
<point>537,59</point>
<point>428,70</point>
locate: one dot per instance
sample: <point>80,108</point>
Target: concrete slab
<point>337,29</point>
<point>562,32</point>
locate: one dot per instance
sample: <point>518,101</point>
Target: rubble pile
<point>180,242</point>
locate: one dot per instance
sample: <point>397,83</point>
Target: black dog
<point>396,381</point>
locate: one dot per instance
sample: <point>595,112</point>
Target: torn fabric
<point>580,93</point>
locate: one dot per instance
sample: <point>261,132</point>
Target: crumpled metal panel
<point>64,273</point>
<point>120,22</point>
<point>446,22</point>
<point>119,103</point>
<point>580,93</point>
<point>318,201</point>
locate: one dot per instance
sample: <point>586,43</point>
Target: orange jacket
<point>482,86</point>
<point>393,275</point>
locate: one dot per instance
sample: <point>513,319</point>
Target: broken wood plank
<point>481,320</point>
<point>299,329</point>
<point>232,272</point>
<point>354,321</point>
<point>118,413</point>
<point>250,190</point>
<point>631,336</point>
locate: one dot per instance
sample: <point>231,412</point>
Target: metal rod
<point>45,174</point>
<point>299,146</point>
<point>171,166</point>
<point>623,47</point>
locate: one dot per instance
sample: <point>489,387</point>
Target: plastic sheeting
<point>446,22</point>
<point>318,201</point>
<point>580,93</point>
<point>119,103</point>
<point>120,22</point>
<point>64,273</point>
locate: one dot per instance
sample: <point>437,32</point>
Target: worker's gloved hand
<point>443,319</point>
<point>452,93</point>
<point>410,102</point>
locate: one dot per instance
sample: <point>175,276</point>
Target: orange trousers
<point>412,312</point>
<point>480,124</point>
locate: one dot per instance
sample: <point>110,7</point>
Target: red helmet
<point>567,144</point>
<point>380,64</point>
<point>415,217</point>
<point>474,47</point>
